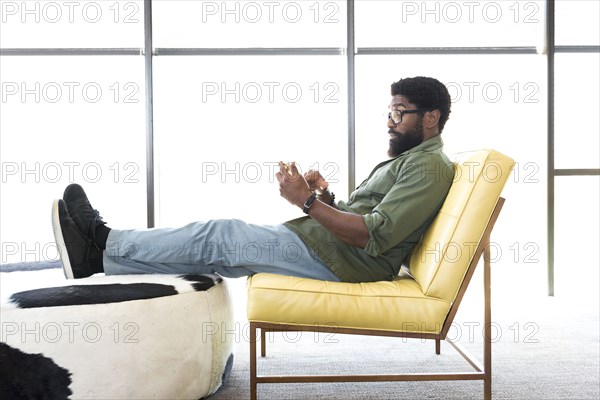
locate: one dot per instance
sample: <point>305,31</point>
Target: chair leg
<point>487,336</point>
<point>253,362</point>
<point>263,342</point>
<point>437,346</point>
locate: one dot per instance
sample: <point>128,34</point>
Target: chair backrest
<point>440,260</point>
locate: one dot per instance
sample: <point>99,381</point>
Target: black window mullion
<point>148,71</point>
<point>71,52</point>
<point>250,51</point>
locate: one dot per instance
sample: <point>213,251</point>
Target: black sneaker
<point>73,246</point>
<point>86,218</point>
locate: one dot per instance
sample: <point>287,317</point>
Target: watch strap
<point>309,202</point>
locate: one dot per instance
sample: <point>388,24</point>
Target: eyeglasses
<point>396,115</point>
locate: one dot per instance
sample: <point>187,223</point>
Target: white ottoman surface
<point>113,337</point>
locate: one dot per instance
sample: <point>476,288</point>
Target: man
<point>361,240</point>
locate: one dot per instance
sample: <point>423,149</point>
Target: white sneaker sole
<point>60,242</point>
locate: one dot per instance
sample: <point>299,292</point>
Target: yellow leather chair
<point>421,304</point>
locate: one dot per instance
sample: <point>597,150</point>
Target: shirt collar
<point>435,143</point>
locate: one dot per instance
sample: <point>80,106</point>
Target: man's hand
<point>350,228</point>
<point>292,186</point>
<point>315,181</point>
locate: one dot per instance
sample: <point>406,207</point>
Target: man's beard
<point>401,143</point>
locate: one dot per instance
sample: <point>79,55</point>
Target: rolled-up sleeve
<point>420,187</point>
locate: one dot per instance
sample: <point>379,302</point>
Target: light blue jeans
<point>230,248</point>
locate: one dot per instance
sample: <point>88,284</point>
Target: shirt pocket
<point>380,183</point>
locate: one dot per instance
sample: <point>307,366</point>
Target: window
<point>72,110</point>
<point>577,102</point>
<point>577,22</point>
<point>437,24</point>
<point>249,24</point>
<point>44,24</point>
<point>238,86</point>
<point>576,163</point>
<point>222,123</point>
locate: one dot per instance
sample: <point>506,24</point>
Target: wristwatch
<point>309,202</point>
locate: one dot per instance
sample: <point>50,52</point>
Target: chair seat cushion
<point>397,305</point>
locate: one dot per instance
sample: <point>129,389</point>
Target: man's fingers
<point>293,168</point>
<point>311,176</point>
<point>279,177</point>
<point>282,167</point>
<point>314,179</point>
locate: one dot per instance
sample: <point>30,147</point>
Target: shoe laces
<point>97,221</point>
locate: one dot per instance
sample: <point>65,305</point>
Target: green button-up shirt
<point>398,201</point>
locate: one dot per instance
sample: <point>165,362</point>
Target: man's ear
<point>432,118</point>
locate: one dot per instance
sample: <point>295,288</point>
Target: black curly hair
<point>426,93</point>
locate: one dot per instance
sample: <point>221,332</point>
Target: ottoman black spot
<point>202,282</point>
<point>90,294</point>
<point>31,376</point>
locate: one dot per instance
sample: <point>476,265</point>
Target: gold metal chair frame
<point>479,372</point>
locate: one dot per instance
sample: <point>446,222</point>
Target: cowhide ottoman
<point>113,337</point>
